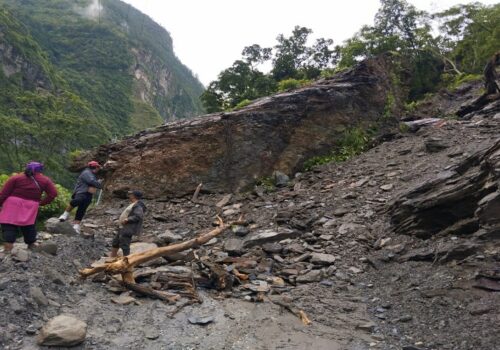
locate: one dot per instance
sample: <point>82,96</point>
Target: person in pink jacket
<point>20,198</point>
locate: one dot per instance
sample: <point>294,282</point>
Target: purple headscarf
<point>34,167</point>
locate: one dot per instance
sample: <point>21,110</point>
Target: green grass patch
<point>353,142</point>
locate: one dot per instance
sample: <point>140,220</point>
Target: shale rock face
<point>460,200</point>
<point>229,151</point>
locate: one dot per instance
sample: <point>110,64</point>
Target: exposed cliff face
<point>230,151</point>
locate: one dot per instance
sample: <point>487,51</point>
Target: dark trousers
<point>122,240</point>
<point>82,202</point>
<point>9,233</point>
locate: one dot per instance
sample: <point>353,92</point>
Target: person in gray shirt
<point>86,185</point>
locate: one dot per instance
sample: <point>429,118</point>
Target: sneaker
<point>76,227</point>
<point>64,216</point>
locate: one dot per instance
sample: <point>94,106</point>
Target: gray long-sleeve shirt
<point>86,179</point>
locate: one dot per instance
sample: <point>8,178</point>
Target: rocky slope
<point>231,151</point>
<point>364,247</point>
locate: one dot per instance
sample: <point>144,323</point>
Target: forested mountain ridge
<point>78,73</point>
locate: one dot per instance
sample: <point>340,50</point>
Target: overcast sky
<point>209,35</point>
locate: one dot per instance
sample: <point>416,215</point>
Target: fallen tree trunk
<point>124,265</point>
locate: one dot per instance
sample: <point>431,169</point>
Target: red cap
<point>93,164</point>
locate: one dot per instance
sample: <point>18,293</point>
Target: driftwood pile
<point>178,285</point>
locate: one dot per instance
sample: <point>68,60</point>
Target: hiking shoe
<point>76,227</point>
<point>64,216</point>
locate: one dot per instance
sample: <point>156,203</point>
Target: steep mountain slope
<point>116,61</point>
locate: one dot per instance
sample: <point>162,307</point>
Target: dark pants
<point>9,233</point>
<point>122,240</point>
<point>82,202</point>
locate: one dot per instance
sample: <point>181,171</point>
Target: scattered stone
<point>341,211</point>
<point>367,327</point>
<point>38,296</point>
<point>272,248</point>
<point>322,259</point>
<point>240,230</point>
<point>311,276</point>
<point>21,255</point>
<point>167,238</point>
<point>123,299</point>
<point>49,248</point>
<point>233,246</point>
<point>15,306</point>
<point>477,309</point>
<point>280,179</point>
<point>268,236</point>
<point>387,187</point>
<point>53,225</point>
<point>4,283</point>
<point>355,270</point>
<point>152,334</point>
<point>224,201</point>
<point>55,277</point>
<point>434,144</point>
<point>404,318</point>
<point>63,330</point>
<point>31,330</point>
<point>201,320</point>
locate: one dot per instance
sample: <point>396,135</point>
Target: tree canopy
<point>466,37</point>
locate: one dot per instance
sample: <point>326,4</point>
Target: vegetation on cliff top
<point>468,36</point>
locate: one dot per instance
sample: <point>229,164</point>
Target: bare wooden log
<point>150,292</point>
<point>196,193</point>
<point>124,265</point>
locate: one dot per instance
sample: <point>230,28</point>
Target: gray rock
<point>272,248</point>
<point>21,255</point>
<point>280,179</point>
<point>368,327</point>
<point>201,320</point>
<point>15,306</point>
<point>240,230</point>
<point>151,334</point>
<point>233,246</point>
<point>224,201</point>
<point>37,294</point>
<point>4,283</point>
<point>53,225</point>
<point>311,276</point>
<point>322,259</point>
<point>167,237</point>
<point>268,236</point>
<point>55,277</point>
<point>63,330</point>
<point>49,248</point>
<point>433,145</point>
<point>387,187</point>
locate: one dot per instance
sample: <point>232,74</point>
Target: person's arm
<point>50,193</point>
<point>7,189</point>
<point>90,179</point>
<point>136,215</point>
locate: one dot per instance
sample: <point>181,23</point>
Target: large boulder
<point>64,331</point>
<point>228,152</point>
